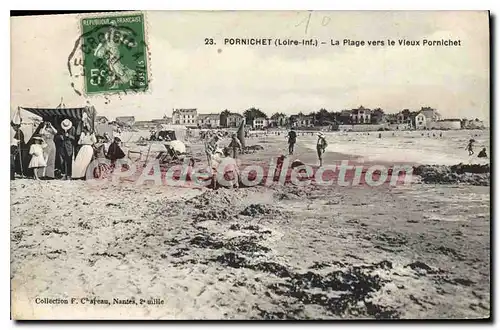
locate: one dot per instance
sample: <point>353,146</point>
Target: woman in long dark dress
<point>20,163</point>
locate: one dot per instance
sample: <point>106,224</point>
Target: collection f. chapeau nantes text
<point>315,42</point>
<point>99,301</point>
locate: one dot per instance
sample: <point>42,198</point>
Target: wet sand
<point>281,252</point>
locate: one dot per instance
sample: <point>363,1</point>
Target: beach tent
<point>179,131</point>
<point>55,116</point>
<point>176,134</point>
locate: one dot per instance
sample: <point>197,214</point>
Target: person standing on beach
<point>235,144</point>
<point>65,148</point>
<point>48,132</point>
<point>321,147</point>
<point>85,154</point>
<point>211,147</point>
<point>13,153</point>
<point>37,159</point>
<point>21,158</point>
<point>292,139</point>
<point>469,147</point>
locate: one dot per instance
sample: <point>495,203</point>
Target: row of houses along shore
<point>360,118</point>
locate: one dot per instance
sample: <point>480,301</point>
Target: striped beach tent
<point>78,116</point>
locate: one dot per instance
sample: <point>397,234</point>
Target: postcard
<point>250,165</point>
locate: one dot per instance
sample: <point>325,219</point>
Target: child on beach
<point>37,159</point>
<point>469,147</point>
<point>321,147</point>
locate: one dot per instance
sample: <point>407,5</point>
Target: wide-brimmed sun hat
<point>66,124</point>
<point>321,134</point>
<point>37,137</point>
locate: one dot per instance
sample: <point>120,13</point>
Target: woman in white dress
<point>84,156</point>
<point>48,132</point>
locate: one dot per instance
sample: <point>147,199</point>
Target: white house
<point>280,121</point>
<point>260,123</point>
<point>430,114</point>
<point>302,121</point>
<point>208,120</point>
<point>234,120</point>
<point>184,117</point>
<point>361,116</point>
<point>420,121</point>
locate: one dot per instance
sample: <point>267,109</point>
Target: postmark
<point>114,55</point>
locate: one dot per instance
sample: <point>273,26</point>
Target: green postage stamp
<point>114,52</point>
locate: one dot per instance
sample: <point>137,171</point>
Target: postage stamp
<point>114,54</point>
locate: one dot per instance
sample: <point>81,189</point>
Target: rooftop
<point>206,115</point>
<point>185,110</point>
<point>125,118</point>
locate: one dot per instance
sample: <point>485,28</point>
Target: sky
<point>186,73</point>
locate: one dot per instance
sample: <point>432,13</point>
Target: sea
<point>418,147</point>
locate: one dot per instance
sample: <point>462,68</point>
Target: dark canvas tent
<point>56,115</point>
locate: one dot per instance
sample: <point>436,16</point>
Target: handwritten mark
<point>326,20</point>
<point>308,22</point>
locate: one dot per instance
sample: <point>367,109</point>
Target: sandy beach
<point>279,252</point>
